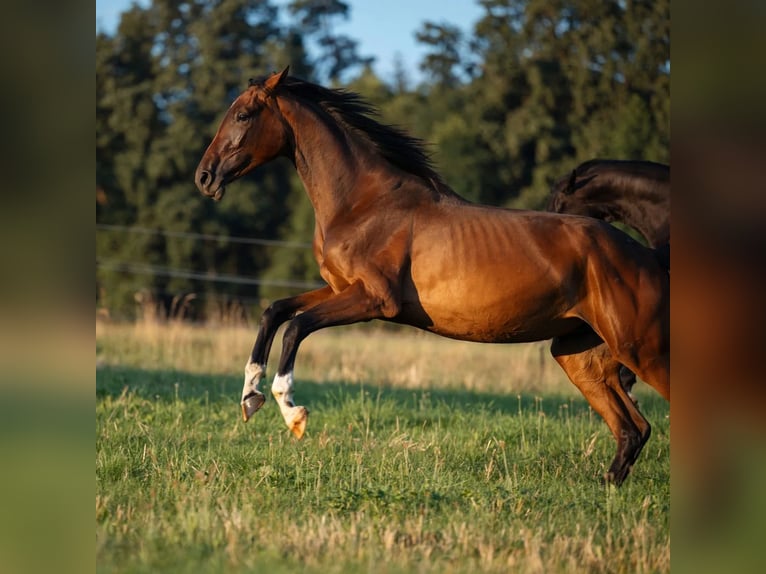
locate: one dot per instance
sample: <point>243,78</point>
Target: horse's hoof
<point>298,424</point>
<point>613,479</point>
<point>251,404</point>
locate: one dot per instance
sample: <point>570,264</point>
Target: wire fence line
<point>201,236</point>
<point>142,268</point>
<point>163,271</point>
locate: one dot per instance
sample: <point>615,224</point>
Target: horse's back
<point>517,275</point>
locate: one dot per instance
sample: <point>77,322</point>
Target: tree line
<point>536,87</point>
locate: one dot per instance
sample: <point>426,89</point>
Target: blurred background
<point>510,96</point>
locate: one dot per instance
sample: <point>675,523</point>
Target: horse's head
<point>560,192</point>
<point>251,133</point>
<point>570,195</point>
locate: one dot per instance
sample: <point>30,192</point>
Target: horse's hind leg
<point>627,381</point>
<point>255,369</point>
<point>635,326</point>
<point>591,367</point>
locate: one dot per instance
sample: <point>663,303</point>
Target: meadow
<point>421,454</point>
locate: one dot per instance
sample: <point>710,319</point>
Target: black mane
<point>402,150</point>
<point>638,168</point>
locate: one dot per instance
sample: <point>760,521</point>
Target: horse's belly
<point>491,329</point>
<point>497,318</point>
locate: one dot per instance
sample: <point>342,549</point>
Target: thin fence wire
<point>142,268</point>
<point>162,271</point>
<point>202,236</point>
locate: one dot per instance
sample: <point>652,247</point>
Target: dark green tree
<point>562,82</point>
<point>442,62</point>
<point>163,82</point>
<point>534,89</point>
<point>337,53</point>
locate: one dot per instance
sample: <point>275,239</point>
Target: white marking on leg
<point>282,389</point>
<point>252,398</point>
<point>253,375</point>
<point>294,416</point>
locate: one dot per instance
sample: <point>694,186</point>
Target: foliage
<point>536,87</point>
<point>337,53</point>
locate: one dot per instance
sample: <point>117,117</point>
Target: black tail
<point>663,255</point>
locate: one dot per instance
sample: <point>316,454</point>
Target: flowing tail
<point>662,253</point>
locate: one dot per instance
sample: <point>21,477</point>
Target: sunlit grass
<point>421,455</point>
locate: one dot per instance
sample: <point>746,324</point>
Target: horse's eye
<point>243,116</point>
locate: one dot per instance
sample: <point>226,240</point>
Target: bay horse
<point>394,242</point>
<point>633,192</point>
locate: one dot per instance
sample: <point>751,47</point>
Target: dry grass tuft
<point>405,358</point>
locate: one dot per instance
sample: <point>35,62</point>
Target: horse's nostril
<point>204,177</point>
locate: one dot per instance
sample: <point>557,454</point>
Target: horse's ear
<point>275,79</point>
<point>571,184</point>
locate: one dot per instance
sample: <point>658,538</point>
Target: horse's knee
<point>274,315</point>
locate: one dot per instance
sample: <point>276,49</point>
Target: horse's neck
<point>326,162</point>
<point>648,219</point>
<point>644,206</point>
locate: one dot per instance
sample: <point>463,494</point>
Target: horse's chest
<point>360,254</point>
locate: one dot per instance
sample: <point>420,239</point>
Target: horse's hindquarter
<point>492,275</point>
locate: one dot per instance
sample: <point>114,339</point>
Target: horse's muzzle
<point>207,184</point>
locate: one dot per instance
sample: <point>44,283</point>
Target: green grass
<point>387,479</point>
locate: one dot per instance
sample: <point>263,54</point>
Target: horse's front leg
<point>354,304</point>
<point>255,369</point>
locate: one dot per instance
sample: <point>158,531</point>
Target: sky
<point>383,28</point>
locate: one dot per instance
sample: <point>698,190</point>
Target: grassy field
<point>421,455</point>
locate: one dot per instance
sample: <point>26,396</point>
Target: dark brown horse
<point>394,242</point>
<point>636,193</point>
